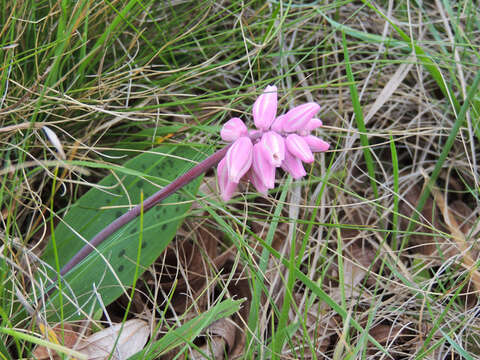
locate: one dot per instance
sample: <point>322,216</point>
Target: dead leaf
<point>463,215</point>
<point>238,288</point>
<point>469,259</point>
<point>226,336</point>
<point>393,337</point>
<point>386,333</point>
<point>67,337</point>
<point>187,265</point>
<point>422,243</point>
<point>132,339</point>
<point>213,349</point>
<point>222,335</point>
<point>321,324</point>
<point>359,260</point>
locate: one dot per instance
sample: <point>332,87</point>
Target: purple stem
<point>148,203</point>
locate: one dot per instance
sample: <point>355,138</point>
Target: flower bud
<point>277,125</point>
<point>259,185</point>
<point>313,124</point>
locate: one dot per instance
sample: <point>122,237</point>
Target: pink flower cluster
<point>282,141</point>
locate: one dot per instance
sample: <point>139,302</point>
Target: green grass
<point>322,267</point>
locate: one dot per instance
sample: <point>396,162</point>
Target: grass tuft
<point>372,254</point>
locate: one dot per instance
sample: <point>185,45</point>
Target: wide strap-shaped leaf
<point>109,270</point>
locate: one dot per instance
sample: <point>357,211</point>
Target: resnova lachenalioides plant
<point>284,141</point>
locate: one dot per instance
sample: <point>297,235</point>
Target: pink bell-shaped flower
<point>226,186</point>
<point>316,144</point>
<point>299,116</point>
<point>298,147</point>
<point>258,183</point>
<point>264,171</point>
<point>273,147</point>
<point>233,129</point>
<point>239,158</point>
<point>265,108</point>
<point>293,165</point>
<point>277,141</point>
<point>277,125</point>
<point>314,123</point>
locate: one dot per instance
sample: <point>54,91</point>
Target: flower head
<point>284,141</point>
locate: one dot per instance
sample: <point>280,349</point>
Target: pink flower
<point>257,182</point>
<point>233,129</point>
<point>299,116</point>
<point>273,146</point>
<point>284,141</point>
<point>239,158</point>
<point>299,148</point>
<point>293,165</point>
<point>227,187</point>
<point>265,108</point>
<point>277,125</point>
<point>262,168</point>
<point>316,144</point>
<point>313,124</point>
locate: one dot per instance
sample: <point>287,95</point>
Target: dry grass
<point>111,87</point>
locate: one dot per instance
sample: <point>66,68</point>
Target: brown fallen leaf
<point>187,265</point>
<point>320,326</point>
<point>238,288</point>
<point>221,339</point>
<point>385,334</point>
<point>395,338</point>
<point>67,337</point>
<point>357,264</point>
<point>469,262</point>
<point>421,241</point>
<point>463,214</point>
<point>225,336</point>
<point>132,339</point>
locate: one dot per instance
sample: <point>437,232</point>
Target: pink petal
<point>233,129</point>
<point>239,158</point>
<point>299,116</point>
<point>227,187</point>
<point>265,108</point>
<point>277,125</point>
<point>298,147</point>
<point>274,147</point>
<point>263,170</point>
<point>316,144</point>
<point>259,185</point>
<point>293,165</point>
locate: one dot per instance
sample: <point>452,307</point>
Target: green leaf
<point>105,273</point>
